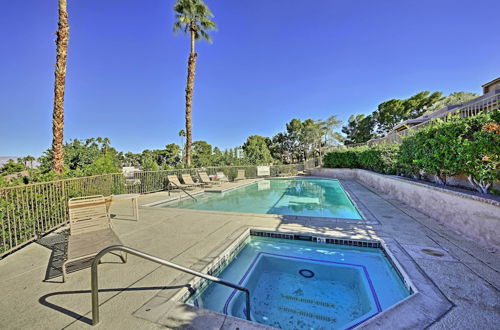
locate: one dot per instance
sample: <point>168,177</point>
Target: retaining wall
<point>473,215</point>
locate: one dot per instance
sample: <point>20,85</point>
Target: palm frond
<point>208,24</point>
<point>205,36</point>
<point>177,27</point>
<point>195,12</point>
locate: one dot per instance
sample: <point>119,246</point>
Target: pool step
<point>308,301</point>
<point>308,314</point>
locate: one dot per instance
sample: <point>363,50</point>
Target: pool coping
<point>424,306</point>
<point>204,190</point>
<point>368,218</point>
<point>221,191</point>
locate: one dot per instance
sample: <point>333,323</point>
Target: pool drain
<point>433,253</point>
<point>306,273</point>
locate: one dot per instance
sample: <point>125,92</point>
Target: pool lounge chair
<point>189,180</point>
<point>204,179</point>
<point>222,177</point>
<point>173,182</point>
<point>90,229</point>
<point>240,175</point>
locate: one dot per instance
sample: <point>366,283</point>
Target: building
<point>492,86</point>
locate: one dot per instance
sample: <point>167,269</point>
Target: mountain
<point>5,159</point>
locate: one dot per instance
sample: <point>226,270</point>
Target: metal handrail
<point>95,282</point>
<point>175,184</point>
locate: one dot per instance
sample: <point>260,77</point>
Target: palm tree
<point>182,135</point>
<point>194,17</point>
<point>59,85</point>
<point>30,159</point>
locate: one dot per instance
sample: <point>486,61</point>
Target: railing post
<point>94,285</point>
<point>247,300</point>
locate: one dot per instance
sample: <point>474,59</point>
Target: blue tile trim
<point>317,239</point>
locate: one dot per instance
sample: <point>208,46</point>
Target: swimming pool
<point>305,285</point>
<point>312,197</point>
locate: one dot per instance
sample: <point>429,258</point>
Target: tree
<point>452,99</point>
<point>171,154</point>
<point>80,154</point>
<point>327,136</point>
<point>309,137</point>
<point>29,159</point>
<point>194,17</point>
<point>330,137</point>
<point>202,154</point>
<point>417,105</point>
<point>11,167</point>
<point>182,135</point>
<point>389,114</point>
<point>294,133</point>
<point>479,150</point>
<point>230,157</point>
<point>438,149</point>
<point>217,157</point>
<point>131,159</point>
<point>257,151</point>
<point>22,160</point>
<point>59,86</point>
<point>280,148</point>
<point>105,142</point>
<point>148,163</point>
<point>105,163</point>
<point>392,112</point>
<point>359,129</point>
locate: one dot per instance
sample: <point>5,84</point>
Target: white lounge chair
<point>204,179</point>
<point>222,177</point>
<point>189,180</point>
<point>173,182</point>
<point>240,175</point>
<point>90,229</point>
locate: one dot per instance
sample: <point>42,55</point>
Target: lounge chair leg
<point>64,272</point>
<point>136,208</point>
<point>123,257</point>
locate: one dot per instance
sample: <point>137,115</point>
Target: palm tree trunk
<point>59,85</point>
<point>189,98</point>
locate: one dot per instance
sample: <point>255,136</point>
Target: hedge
<point>343,158</point>
<point>380,159</point>
<point>469,146</point>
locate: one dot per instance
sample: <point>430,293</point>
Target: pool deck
<point>466,278</point>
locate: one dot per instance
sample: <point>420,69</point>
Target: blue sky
<point>271,61</point>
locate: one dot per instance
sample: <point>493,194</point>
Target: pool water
<point>299,196</point>
<point>305,285</point>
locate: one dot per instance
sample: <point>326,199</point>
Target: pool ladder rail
<point>184,190</point>
<point>95,280</point>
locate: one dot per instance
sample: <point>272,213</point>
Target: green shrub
<point>406,160</point>
<point>382,159</point>
<point>479,150</point>
<point>436,149</point>
<point>342,158</point>
<point>468,146</point>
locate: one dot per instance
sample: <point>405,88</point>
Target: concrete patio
<point>467,275</point>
